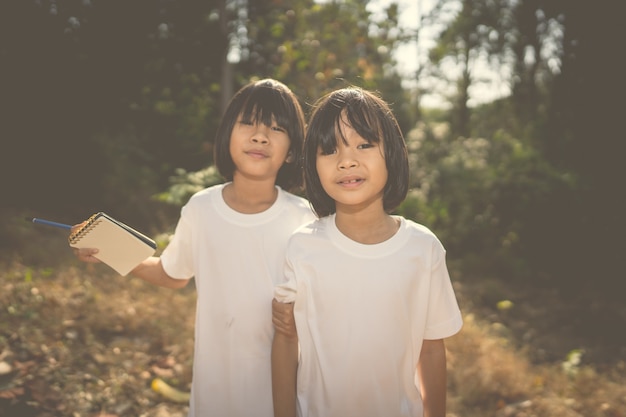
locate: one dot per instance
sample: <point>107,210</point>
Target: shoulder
<point>294,200</point>
<point>207,193</point>
<point>417,228</point>
<point>311,230</point>
<point>204,197</point>
<point>297,204</point>
<point>420,232</point>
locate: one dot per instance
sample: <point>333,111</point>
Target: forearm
<point>151,270</point>
<point>432,375</point>
<point>284,374</point>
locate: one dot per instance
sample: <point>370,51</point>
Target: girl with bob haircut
<point>368,291</point>
<point>231,238</point>
<point>371,118</point>
<point>263,102</point>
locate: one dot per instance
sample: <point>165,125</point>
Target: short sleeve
<point>286,292</point>
<point>444,316</point>
<point>177,257</point>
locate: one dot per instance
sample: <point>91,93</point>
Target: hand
<point>283,318</point>
<point>85,254</point>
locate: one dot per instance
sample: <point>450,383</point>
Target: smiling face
<point>354,173</point>
<point>357,125</point>
<point>270,103</point>
<point>258,150</point>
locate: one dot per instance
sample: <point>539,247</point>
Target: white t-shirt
<point>236,259</point>
<point>362,313</point>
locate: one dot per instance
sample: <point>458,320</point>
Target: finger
<point>289,331</point>
<point>281,308</point>
<point>281,317</point>
<point>77,226</point>
<point>279,322</point>
<point>87,251</point>
<point>86,254</point>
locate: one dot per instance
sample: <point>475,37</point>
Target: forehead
<point>358,124</point>
<point>264,111</point>
<point>345,131</point>
<point>255,115</point>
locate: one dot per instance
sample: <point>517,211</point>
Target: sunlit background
<point>512,112</point>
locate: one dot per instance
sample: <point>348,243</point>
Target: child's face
<point>258,150</point>
<point>355,174</point>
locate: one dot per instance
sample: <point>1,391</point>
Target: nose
<point>346,159</point>
<point>260,135</point>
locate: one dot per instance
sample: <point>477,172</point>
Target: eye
<point>327,151</point>
<point>246,122</point>
<point>366,145</point>
<point>279,129</point>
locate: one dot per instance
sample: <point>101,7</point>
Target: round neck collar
<point>245,219</point>
<point>376,250</point>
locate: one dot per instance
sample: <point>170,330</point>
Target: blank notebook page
<point>119,246</point>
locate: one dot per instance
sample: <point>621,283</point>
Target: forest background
<point>112,106</point>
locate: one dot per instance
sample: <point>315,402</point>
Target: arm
<point>283,319</point>
<point>284,365</point>
<point>151,270</point>
<point>431,369</point>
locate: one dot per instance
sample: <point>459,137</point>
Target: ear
<point>289,158</point>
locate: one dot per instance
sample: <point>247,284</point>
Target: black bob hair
<point>260,101</point>
<point>371,117</point>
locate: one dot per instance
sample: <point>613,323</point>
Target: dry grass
<point>488,376</point>
<point>79,340</point>
<point>86,342</point>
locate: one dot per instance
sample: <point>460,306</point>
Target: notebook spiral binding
<point>80,233</point>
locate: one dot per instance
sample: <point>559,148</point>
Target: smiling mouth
<point>257,154</point>
<point>353,181</point>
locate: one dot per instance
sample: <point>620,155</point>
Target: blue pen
<point>49,223</point>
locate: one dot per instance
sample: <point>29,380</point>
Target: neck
<point>249,197</point>
<point>366,227</point>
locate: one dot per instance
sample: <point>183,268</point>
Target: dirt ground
<point>77,340</point>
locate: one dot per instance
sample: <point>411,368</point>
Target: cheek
<point>234,140</point>
<point>321,166</point>
<point>385,178</point>
<point>384,173</point>
<point>323,171</point>
<point>285,143</point>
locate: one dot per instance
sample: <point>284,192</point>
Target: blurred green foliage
<point>112,106</point>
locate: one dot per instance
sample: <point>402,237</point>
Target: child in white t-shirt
<point>232,238</point>
<point>372,298</point>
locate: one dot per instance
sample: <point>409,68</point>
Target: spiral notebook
<point>119,246</point>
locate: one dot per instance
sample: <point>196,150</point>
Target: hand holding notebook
<point>119,246</point>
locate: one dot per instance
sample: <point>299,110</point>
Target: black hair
<point>262,101</point>
<point>371,117</point>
